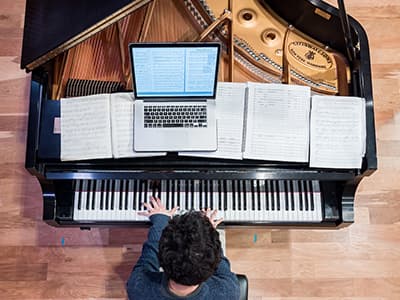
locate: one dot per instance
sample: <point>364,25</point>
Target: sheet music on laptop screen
<point>175,71</point>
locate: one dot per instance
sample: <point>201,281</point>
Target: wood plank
<point>25,272</point>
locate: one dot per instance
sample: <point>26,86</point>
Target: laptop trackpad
<point>179,140</point>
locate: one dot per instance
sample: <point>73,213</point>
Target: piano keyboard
<point>235,200</point>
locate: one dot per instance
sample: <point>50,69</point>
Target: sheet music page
<point>122,114</point>
<point>337,132</point>
<point>230,101</point>
<point>277,122</point>
<point>85,127</point>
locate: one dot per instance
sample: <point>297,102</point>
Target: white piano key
<point>182,190</point>
<point>214,198</point>
<point>196,204</point>
<point>117,191</point>
<point>229,193</point>
<point>317,201</point>
<point>83,199</point>
<point>97,197</point>
<point>163,193</point>
<point>271,198</point>
<point>128,214</point>
<point>249,201</point>
<point>207,193</point>
<point>307,200</point>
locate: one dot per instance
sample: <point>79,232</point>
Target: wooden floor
<point>358,262</point>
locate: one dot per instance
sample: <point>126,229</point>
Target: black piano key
<point>311,195</point>
<point>178,193</point>
<point>78,189</point>
<point>112,194</point>
<point>277,195</point>
<point>135,198</point>
<point>121,203</point>
<point>153,188</point>
<point>172,197</point>
<point>238,194</point>
<point>234,195</point>
<point>171,194</point>
<point>253,189</point>
<point>271,195</point>
<point>167,191</point>
<point>187,193</point>
<point>126,207</point>
<point>286,192</point>
<point>223,194</point>
<point>146,191</point>
<point>140,195</point>
<point>267,194</point>
<point>102,194</point>
<point>305,192</point>
<point>89,189</point>
<point>107,198</point>
<point>94,194</point>
<point>258,195</point>
<point>300,191</point>
<point>210,194</point>
<point>211,197</point>
<point>291,194</point>
<point>157,189</point>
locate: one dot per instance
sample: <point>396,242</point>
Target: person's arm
<point>223,270</point>
<point>159,217</point>
<point>148,260</point>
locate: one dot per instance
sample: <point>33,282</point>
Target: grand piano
<point>75,48</point>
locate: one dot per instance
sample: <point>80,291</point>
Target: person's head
<point>189,249</point>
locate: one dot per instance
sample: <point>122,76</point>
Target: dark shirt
<point>147,282</point>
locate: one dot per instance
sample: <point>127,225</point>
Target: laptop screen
<point>178,70</point>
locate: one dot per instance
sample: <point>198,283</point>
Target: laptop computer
<point>175,87</point>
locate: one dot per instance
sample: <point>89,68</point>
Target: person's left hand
<point>156,207</point>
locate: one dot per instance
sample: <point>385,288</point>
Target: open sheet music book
<point>284,123</point>
<point>98,126</point>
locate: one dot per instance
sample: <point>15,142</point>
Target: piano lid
<point>52,27</point>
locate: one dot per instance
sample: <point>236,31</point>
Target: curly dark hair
<point>189,248</point>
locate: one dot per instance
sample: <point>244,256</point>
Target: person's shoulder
<point>224,285</point>
<point>146,281</point>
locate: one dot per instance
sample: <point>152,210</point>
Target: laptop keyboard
<point>170,116</point>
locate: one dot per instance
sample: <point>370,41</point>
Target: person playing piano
<point>188,249</point>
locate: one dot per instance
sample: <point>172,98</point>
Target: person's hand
<point>156,207</point>
<point>211,215</point>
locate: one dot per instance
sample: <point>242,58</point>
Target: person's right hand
<point>211,215</point>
